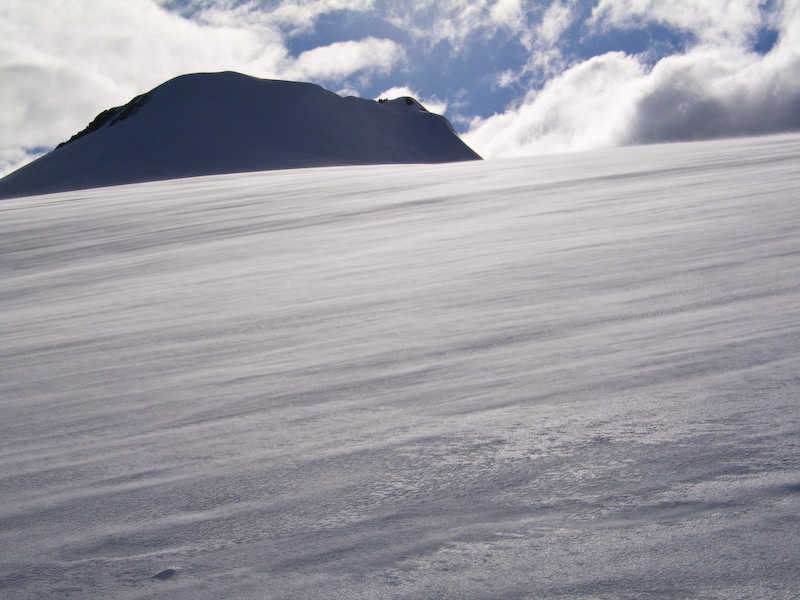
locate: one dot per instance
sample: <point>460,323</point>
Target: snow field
<point>559,377</point>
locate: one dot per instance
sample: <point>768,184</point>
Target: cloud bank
<point>518,77</point>
<point>719,87</point>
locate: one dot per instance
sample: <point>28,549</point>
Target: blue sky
<point>515,77</point>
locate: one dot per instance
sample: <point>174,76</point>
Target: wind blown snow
<point>552,377</point>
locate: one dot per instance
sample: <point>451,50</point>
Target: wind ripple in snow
<point>560,377</point>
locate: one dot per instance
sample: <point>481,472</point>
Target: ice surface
<point>559,377</point>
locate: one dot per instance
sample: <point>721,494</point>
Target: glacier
<point>556,377</point>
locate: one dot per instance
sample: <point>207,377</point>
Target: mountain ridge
<point>227,122</point>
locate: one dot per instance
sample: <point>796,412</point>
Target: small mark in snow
<point>165,574</point>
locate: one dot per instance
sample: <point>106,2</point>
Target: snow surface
<point>560,377</point>
<point>212,123</point>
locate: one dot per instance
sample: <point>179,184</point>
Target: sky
<point>515,77</point>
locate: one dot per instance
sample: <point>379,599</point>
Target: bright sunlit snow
<point>556,377</point>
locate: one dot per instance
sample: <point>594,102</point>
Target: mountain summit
<point>213,123</point>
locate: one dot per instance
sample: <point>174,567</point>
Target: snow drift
<point>568,377</point>
<point>210,123</point>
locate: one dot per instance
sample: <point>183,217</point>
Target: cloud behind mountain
<point>516,76</point>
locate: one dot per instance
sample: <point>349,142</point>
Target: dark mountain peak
<point>213,123</point>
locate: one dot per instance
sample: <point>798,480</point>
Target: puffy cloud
<point>303,14</point>
<point>581,109</point>
<point>456,22</point>
<point>720,21</point>
<point>341,59</point>
<point>12,158</point>
<point>507,12</point>
<point>546,58</point>
<point>433,104</point>
<point>432,21</point>
<point>535,24</point>
<point>710,93</point>
<point>717,88</point>
<point>556,19</point>
<point>63,62</point>
<point>289,16</point>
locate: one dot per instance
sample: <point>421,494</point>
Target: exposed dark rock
<point>114,115</point>
<point>131,108</point>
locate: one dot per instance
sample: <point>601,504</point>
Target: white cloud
<point>303,13</point>
<point>433,104</point>
<point>507,12</point>
<point>455,21</point>
<point>581,109</point>
<point>13,158</point>
<point>717,21</point>
<point>546,59</point>
<point>541,37</point>
<point>291,16</point>
<point>506,78</point>
<point>718,88</point>
<point>532,23</point>
<point>63,62</point>
<point>555,20</point>
<point>713,93</point>
<point>341,59</point>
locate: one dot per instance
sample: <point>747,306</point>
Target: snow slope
<point>562,377</point>
<point>210,123</point>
